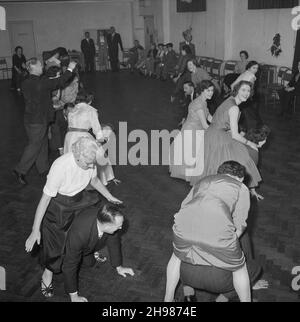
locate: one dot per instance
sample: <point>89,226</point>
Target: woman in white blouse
<point>248,75</point>
<point>64,196</point>
<point>81,119</point>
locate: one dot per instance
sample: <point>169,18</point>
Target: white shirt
<point>67,178</point>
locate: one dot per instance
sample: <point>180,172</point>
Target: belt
<point>73,129</point>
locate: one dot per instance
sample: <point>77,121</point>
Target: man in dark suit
<point>89,52</point>
<point>114,41</point>
<point>91,230</point>
<point>39,113</point>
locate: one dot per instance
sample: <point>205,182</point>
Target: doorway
<point>149,31</point>
<point>21,33</point>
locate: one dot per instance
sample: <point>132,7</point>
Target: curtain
<point>191,5</point>
<point>271,4</point>
<point>297,52</point>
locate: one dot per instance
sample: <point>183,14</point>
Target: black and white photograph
<point>149,153</point>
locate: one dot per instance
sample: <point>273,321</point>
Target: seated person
<point>134,55</point>
<point>170,62</point>
<point>186,55</point>
<point>288,94</point>
<point>90,231</point>
<point>161,61</point>
<point>151,60</point>
<point>207,229</point>
<point>241,65</point>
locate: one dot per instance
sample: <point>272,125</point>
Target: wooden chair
<point>274,88</point>
<point>4,69</point>
<point>215,69</point>
<point>229,67</point>
<point>267,74</point>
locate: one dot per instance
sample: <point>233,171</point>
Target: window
<point>271,4</point>
<point>191,5</point>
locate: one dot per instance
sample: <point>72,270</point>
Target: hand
<point>72,65</point>
<point>256,195</point>
<point>115,200</point>
<point>125,270</point>
<point>261,143</point>
<point>77,298</point>
<point>35,236</point>
<point>253,146</point>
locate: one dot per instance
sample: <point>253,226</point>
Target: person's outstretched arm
<point>173,275</point>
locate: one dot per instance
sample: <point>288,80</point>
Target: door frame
<point>18,22</point>
<point>154,35</point>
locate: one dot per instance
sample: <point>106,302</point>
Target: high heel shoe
<point>47,291</point>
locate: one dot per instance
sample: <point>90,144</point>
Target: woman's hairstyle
<point>232,168</point>
<point>108,212</point>
<point>238,86</point>
<point>187,49</point>
<point>160,45</point>
<point>205,84</point>
<point>84,97</point>
<point>30,62</point>
<point>251,64</point>
<point>52,71</point>
<point>17,48</point>
<point>245,53</point>
<point>85,148</point>
<point>191,84</point>
<point>259,134</point>
<point>193,60</point>
<point>169,45</point>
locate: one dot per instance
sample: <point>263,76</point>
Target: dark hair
<point>68,105</point>
<point>189,83</point>
<point>193,60</point>
<point>205,84</point>
<point>238,86</point>
<point>251,64</point>
<point>65,61</point>
<point>169,45</point>
<point>108,212</point>
<point>18,47</point>
<point>84,97</point>
<point>259,134</point>
<point>160,44</point>
<point>187,49</point>
<point>232,168</point>
<point>245,53</point>
<point>52,71</point>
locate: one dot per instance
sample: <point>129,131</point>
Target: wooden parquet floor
<point>151,198</point>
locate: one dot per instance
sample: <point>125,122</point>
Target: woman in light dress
<point>187,150</point>
<point>81,119</point>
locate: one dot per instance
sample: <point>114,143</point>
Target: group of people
<point>75,188</point>
<point>109,44</point>
<point>217,152</point>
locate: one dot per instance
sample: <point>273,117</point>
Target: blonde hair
<point>85,148</point>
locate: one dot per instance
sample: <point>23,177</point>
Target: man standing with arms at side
<point>114,41</point>
<point>89,51</point>
<point>38,114</point>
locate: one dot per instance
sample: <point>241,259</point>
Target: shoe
<point>190,298</point>
<point>47,291</point>
<point>20,177</point>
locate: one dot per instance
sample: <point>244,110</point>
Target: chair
<point>4,68</point>
<point>215,69</point>
<point>277,85</point>
<point>208,65</point>
<point>202,61</point>
<point>229,67</point>
<point>286,79</point>
<point>266,77</point>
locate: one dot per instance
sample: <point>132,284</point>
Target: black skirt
<point>56,223</point>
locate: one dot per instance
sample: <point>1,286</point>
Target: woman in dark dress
<point>223,141</point>
<point>18,68</point>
